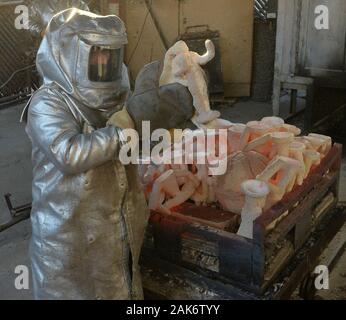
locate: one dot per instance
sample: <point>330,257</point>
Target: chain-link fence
<point>18,48</point>
<point>17,70</point>
<point>261,9</point>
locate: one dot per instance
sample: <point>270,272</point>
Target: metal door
<point>322,51</point>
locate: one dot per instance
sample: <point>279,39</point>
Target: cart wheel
<point>307,289</point>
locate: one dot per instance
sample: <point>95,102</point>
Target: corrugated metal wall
<point>16,57</point>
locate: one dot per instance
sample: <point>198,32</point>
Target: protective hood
<point>64,56</point>
<point>42,11</point>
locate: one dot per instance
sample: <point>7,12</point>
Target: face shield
<point>105,64</point>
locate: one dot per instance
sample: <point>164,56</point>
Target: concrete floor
<point>15,178</point>
<point>15,175</point>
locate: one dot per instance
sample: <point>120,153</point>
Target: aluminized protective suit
<point>41,11</point>
<point>88,213</point>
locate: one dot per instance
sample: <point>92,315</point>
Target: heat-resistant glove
<point>121,119</point>
<point>166,107</point>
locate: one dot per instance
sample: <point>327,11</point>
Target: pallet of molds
<point>203,240</point>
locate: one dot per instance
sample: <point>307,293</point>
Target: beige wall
<point>232,18</point>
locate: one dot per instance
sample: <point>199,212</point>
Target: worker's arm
<point>52,126</point>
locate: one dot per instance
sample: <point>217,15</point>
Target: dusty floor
<point>15,178</point>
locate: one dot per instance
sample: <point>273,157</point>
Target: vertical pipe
<point>114,7</point>
<point>294,96</point>
<point>179,16</point>
<point>308,117</point>
<point>104,7</point>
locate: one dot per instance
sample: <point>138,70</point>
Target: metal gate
<point>17,69</point>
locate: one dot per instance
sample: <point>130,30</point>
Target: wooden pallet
<point>211,249</point>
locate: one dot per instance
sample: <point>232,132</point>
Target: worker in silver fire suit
<point>88,212</point>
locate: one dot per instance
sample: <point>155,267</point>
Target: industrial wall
<point>232,18</point>
<point>264,54</point>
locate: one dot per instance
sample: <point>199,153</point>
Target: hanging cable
<point>14,73</point>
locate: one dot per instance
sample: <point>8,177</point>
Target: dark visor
<point>105,64</point>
